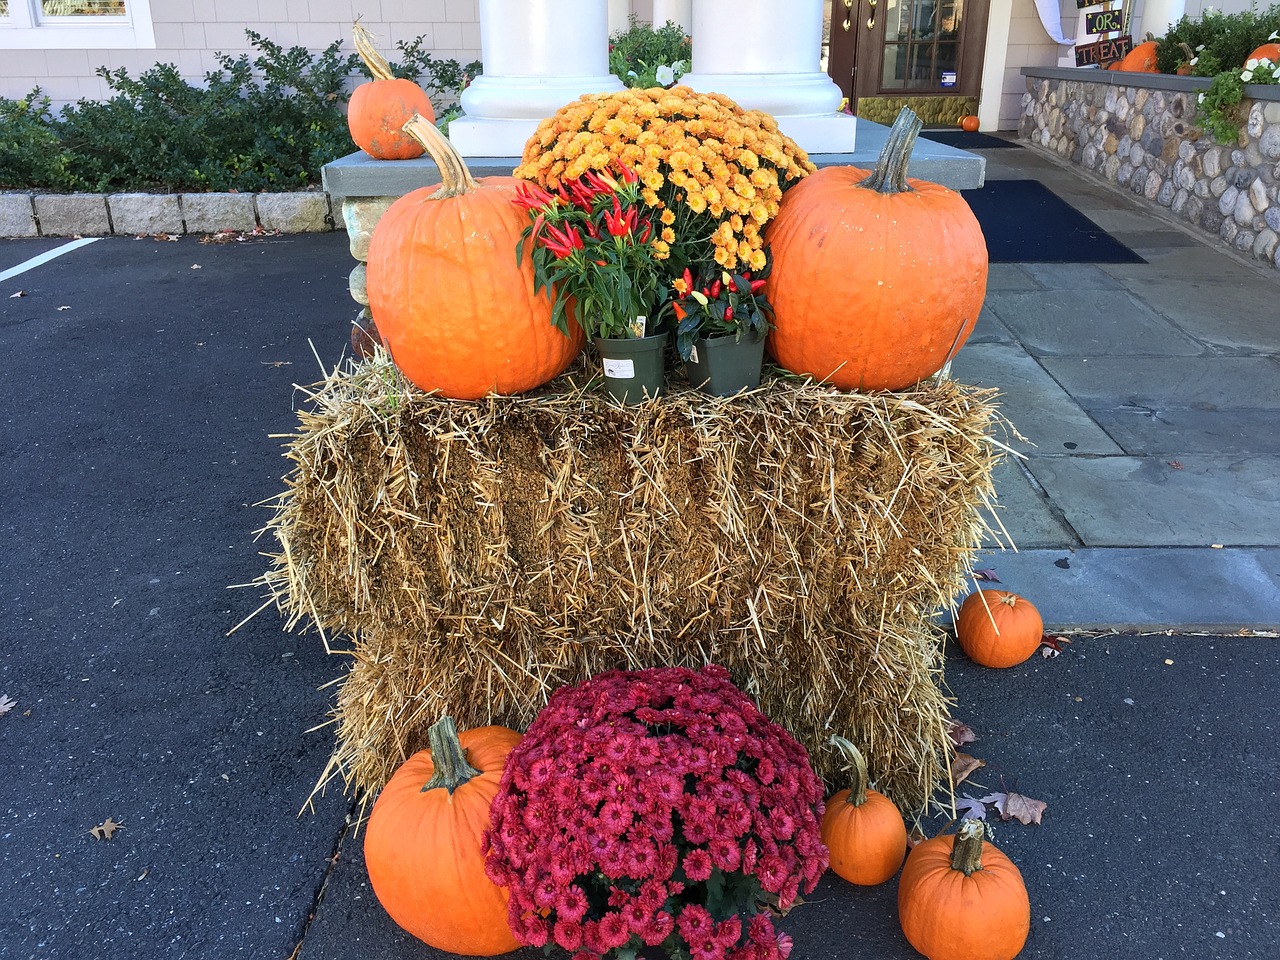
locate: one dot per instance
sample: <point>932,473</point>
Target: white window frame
<point>25,29</point>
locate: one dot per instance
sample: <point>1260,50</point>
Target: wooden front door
<point>907,48</point>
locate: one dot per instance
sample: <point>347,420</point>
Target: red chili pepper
<point>688,280</point>
<point>644,235</point>
<point>715,290</point>
<point>592,230</point>
<point>628,175</point>
<point>601,263</point>
<point>619,224</point>
<point>758,285</point>
<point>728,313</point>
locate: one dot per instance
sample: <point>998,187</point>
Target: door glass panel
<point>921,43</point>
<point>82,8</point>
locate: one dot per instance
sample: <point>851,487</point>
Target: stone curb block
<point>211,212</point>
<point>17,215</point>
<point>139,213</point>
<point>134,214</point>
<point>65,215</point>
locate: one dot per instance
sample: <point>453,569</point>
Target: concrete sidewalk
<point>1149,395</point>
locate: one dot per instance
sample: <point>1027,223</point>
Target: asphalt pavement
<point>144,389</point>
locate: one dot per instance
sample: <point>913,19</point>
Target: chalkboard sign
<point>1081,4</point>
<point>1103,51</point>
<point>1104,21</point>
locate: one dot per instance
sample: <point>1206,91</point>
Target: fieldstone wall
<point>1145,138</point>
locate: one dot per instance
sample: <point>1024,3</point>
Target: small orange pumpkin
<point>379,108</point>
<point>423,847</point>
<point>862,829</point>
<point>1141,59</point>
<point>997,628</point>
<point>877,279</point>
<point>962,899</point>
<point>969,123</point>
<point>1268,51</point>
<point>456,311</point>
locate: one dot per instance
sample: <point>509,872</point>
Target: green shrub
<point>1220,41</point>
<point>638,53</point>
<point>266,123</point>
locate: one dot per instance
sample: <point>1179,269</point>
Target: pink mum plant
<point>656,808</point>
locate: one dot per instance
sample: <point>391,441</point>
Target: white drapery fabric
<point>1051,17</point>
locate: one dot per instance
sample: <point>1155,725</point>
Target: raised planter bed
<point>1138,131</point>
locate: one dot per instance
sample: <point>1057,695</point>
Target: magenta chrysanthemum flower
<point>628,793</point>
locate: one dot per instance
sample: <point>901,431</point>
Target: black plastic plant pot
<point>634,368</point>
<point>723,366</point>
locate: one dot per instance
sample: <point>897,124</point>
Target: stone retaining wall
<point>1138,131</point>
<point>131,214</point>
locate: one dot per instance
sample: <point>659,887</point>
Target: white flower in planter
<point>1246,75</point>
<point>664,75</point>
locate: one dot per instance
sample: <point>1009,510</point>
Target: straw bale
<point>476,555</point>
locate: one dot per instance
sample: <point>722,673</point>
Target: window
<point>76,24</point>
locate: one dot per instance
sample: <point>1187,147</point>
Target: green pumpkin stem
<point>856,764</point>
<point>966,853</point>
<point>448,757</point>
<point>890,174</point>
<point>455,178</point>
<point>375,61</point>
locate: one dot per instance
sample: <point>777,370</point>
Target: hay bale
<point>479,554</point>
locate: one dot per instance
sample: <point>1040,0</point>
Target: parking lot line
<point>46,257</point>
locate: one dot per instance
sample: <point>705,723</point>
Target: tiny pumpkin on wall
<point>969,123</point>
<point>997,628</point>
<point>379,108</point>
<point>423,843</point>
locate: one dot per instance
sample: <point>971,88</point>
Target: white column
<point>538,55</point>
<point>619,11</point>
<point>766,55</point>
<point>677,11</point>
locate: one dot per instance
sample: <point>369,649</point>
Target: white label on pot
<point>619,369</point>
<point>693,354</point>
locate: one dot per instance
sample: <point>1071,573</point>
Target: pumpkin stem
<point>448,757</point>
<point>966,852</point>
<point>455,178</point>
<point>856,764</point>
<point>375,61</point>
<point>890,174</point>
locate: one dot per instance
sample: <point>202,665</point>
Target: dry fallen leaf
<point>962,765</point>
<point>1175,464</point>
<point>195,266</point>
<point>6,704</point>
<point>961,733</point>
<point>64,308</point>
<point>970,808</point>
<point>106,830</point>
<point>1051,646</point>
<point>989,576</point>
<point>20,293</point>
<point>916,836</point>
<point>1015,806</point>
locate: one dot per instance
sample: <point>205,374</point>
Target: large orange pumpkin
<point>877,279</point>
<point>457,312</point>
<point>997,628</point>
<point>422,845</point>
<point>960,898</point>
<point>1141,59</point>
<point>378,109</point>
<point>1268,51</point>
<point>862,829</point>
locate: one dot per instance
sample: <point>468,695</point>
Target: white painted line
<point>46,257</point>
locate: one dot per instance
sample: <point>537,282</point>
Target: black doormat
<point>964,140</point>
<point>1025,222</point>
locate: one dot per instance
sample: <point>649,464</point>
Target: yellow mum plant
<point>712,173</point>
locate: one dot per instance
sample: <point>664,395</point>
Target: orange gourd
<point>423,847</point>
<point>877,279</point>
<point>969,123</point>
<point>1268,51</point>
<point>862,829</point>
<point>379,108</point>
<point>997,628</point>
<point>960,898</point>
<point>1141,59</point>
<point>456,311</point>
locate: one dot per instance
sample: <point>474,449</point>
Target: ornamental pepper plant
<point>656,808</point>
<point>592,252</point>
<point>719,303</point>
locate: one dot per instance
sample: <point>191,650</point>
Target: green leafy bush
<point>1220,41</point>
<point>643,56</point>
<point>267,123</point>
